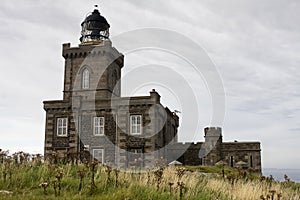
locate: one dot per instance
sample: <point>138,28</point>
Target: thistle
<point>180,172</point>
<point>81,174</point>
<point>116,171</point>
<point>170,186</point>
<point>158,176</point>
<point>181,187</point>
<point>92,166</point>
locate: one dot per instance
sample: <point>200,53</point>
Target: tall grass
<point>37,180</point>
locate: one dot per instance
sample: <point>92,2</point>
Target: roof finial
<point>96,6</point>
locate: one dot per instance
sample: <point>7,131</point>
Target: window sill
<point>61,135</point>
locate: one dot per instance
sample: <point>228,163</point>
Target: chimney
<point>155,96</point>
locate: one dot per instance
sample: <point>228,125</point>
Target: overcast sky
<point>254,44</point>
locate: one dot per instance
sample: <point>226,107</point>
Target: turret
<point>93,69</point>
<point>210,152</point>
<point>213,134</point>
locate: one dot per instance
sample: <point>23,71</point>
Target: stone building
<point>213,150</point>
<point>93,117</point>
<point>95,121</point>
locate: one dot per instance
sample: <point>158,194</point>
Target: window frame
<point>99,127</point>
<point>62,126</point>
<point>134,127</point>
<point>99,149</point>
<point>85,79</point>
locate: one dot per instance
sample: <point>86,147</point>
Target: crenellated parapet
<point>88,50</point>
<point>212,131</point>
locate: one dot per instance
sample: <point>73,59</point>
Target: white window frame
<point>102,153</point>
<point>62,127</point>
<point>98,126</point>
<point>135,127</point>
<point>85,79</point>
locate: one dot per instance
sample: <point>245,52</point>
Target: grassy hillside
<point>37,180</point>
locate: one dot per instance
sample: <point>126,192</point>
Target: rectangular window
<point>62,124</point>
<point>98,126</point>
<point>98,155</point>
<point>136,124</point>
<point>135,157</point>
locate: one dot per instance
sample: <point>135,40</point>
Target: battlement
<point>206,129</point>
<point>241,146</point>
<point>188,143</point>
<point>213,132</point>
<point>84,50</point>
<point>183,146</point>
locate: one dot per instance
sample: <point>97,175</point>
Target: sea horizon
<point>278,173</point>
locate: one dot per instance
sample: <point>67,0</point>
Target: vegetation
<point>24,178</point>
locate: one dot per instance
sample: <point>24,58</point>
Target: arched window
<point>85,79</point>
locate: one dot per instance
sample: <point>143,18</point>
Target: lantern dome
<point>95,28</point>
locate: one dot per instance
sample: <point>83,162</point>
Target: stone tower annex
<point>94,121</point>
